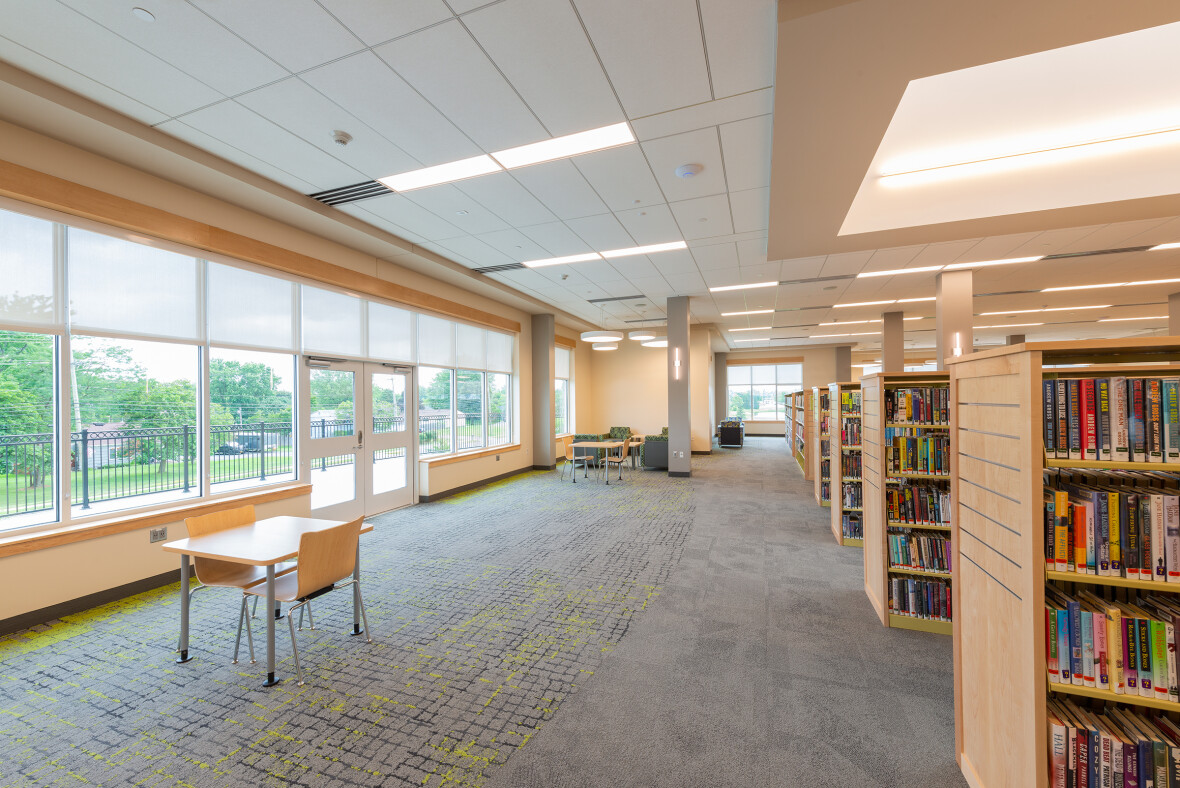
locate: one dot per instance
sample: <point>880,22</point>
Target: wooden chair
<point>327,560</point>
<point>226,574</point>
<point>574,462</point>
<point>617,459</point>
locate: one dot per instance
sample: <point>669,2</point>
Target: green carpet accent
<point>489,610</point>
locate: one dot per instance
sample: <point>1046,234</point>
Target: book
<point>1118,412</point>
<point>1087,418</point>
<point>1073,406</point>
<point>1102,395</point>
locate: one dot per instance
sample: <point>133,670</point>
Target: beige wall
<point>700,388</point>
<point>31,581</point>
<point>629,388</point>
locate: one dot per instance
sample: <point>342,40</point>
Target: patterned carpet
<point>488,610</point>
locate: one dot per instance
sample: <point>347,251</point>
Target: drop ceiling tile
<point>621,176</point>
<point>556,239</point>
<point>653,52</point>
<point>1116,236</point>
<point>687,283</point>
<point>940,253</point>
<point>711,113</point>
<point>305,112</point>
<point>360,211</point>
<point>87,48</point>
<point>740,37</point>
<point>561,188</point>
<point>542,49</point>
<point>762,272</point>
<point>997,246</point>
<point>845,263</point>
<point>654,287</point>
<point>597,271</point>
<point>751,210</point>
<point>719,277</point>
<point>889,259</point>
<point>746,149</point>
<point>397,209</point>
<point>523,277</point>
<point>694,147</point>
<point>375,21</point>
<point>632,267</point>
<point>715,257</point>
<point>703,217</point>
<point>463,6</point>
<point>504,196</point>
<point>602,232</point>
<point>678,262</point>
<point>448,68</point>
<point>451,254</point>
<point>450,203</point>
<point>367,88</point>
<point>618,288</point>
<point>298,34</point>
<point>651,225</point>
<point>183,36</point>
<point>35,63</point>
<point>476,250</point>
<point>800,268</point>
<point>225,150</point>
<point>515,245</point>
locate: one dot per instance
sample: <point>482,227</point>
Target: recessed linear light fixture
<point>512,158</point>
<point>858,322</point>
<point>1110,284</point>
<point>882,303</point>
<point>742,287</point>
<point>1010,325</point>
<point>1122,319</point>
<point>860,334</point>
<point>613,253</point>
<point>748,312</point>
<point>755,328</point>
<point>753,339</point>
<point>1160,247</point>
<point>1045,309</point>
<point>949,267</point>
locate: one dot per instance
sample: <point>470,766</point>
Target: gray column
<point>1174,315</point>
<point>954,314</point>
<point>843,355</point>
<point>720,387</point>
<point>543,333</point>
<point>893,342</point>
<point>1015,339</point>
<point>679,406</point>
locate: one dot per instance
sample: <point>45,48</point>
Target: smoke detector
<point>341,137</point>
<point>688,170</point>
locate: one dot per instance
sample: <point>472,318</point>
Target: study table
<point>595,445</point>
<point>264,543</point>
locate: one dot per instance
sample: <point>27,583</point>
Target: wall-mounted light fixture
<point>958,349</point>
<point>676,363</point>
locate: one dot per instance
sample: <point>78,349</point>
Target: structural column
<point>1174,315</point>
<point>543,329</point>
<point>720,387</point>
<point>843,355</point>
<point>954,314</point>
<point>1015,339</point>
<point>893,342</point>
<point>679,404</point>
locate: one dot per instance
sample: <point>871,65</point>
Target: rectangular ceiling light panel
<point>571,258</point>
<point>651,249</point>
<point>565,147</point>
<point>441,173</point>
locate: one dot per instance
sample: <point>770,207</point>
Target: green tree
<point>26,396</point>
<point>247,390</point>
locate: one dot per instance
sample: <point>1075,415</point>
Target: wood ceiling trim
<point>38,188</point>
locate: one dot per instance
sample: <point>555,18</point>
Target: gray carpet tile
<point>654,632</point>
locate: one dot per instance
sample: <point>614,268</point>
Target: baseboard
<point>552,467</point>
<point>680,474</point>
<point>480,483</point>
<point>696,453</point>
<point>35,617</point>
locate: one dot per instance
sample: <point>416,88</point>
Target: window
<point>499,408</point>
<point>469,421</point>
<point>562,423</point>
<point>27,459</point>
<point>758,392</point>
<point>434,410</point>
<point>251,407</point>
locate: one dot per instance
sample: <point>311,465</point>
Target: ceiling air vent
<point>353,193</point>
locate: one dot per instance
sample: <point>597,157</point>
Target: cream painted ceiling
<point>265,83</point>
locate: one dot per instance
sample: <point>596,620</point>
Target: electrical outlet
<point>497,458</point>
<point>158,534</point>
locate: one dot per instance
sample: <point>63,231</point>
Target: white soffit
<point>1099,90</point>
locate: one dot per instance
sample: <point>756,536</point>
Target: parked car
<point>232,447</point>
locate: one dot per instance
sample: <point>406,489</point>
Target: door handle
<point>360,440</point>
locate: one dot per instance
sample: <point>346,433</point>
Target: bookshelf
<point>820,448</point>
<point>1001,583</point>
<point>883,482</point>
<point>798,418</point>
<point>845,417</point>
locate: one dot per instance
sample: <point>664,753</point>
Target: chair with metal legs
<point>573,461</point>
<point>226,574</point>
<point>617,459</point>
<point>327,561</point>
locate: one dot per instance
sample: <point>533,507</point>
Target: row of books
<point>850,403</point>
<point>849,432</point>
<point>1112,748</point>
<point>923,405</point>
<point>824,414</point>
<point>851,526</point>
<point>825,490</point>
<point>919,504</point>
<point>908,451</point>
<point>1112,419</point>
<point>916,550</point>
<point>850,495</point>
<point>1130,530</point>
<point>850,465</point>
<point>917,597</point>
<point>1128,648</point>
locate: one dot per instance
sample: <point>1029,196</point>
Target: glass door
<point>389,446</point>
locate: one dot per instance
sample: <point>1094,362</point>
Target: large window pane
<point>470,346</point>
<point>28,490</point>
<point>134,423</point>
<point>246,308</point>
<point>500,351</point>
<point>739,402</point>
<point>333,403</point>
<point>434,410</point>
<point>26,270</point>
<point>251,402</point>
<point>390,333</point>
<point>388,404</point>
<point>738,375</point>
<point>436,341</point>
<point>762,374</point>
<point>468,409</point>
<point>561,363</point>
<point>762,403</point>
<point>130,288</point>
<point>499,409</point>
<point>561,406</point>
<point>331,322</point>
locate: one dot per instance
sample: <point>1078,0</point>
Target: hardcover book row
<point>918,505</point>
<point>1118,748</point>
<point>1112,419</point>
<point>908,452</point>
<point>924,405</point>
<point>920,598</point>
<point>924,552</point>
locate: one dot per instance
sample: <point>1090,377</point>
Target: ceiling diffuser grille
<point>353,193</point>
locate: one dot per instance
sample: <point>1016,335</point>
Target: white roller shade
<point>500,351</point>
<point>391,335</point>
<point>331,322</point>
<point>561,363</point>
<point>470,346</point>
<point>252,309</point>
<point>436,341</point>
<point>26,271</point>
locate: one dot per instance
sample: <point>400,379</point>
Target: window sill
<point>95,529</point>
<point>470,455</point>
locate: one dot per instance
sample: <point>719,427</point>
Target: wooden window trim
<point>471,455</point>
<point>572,344</point>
